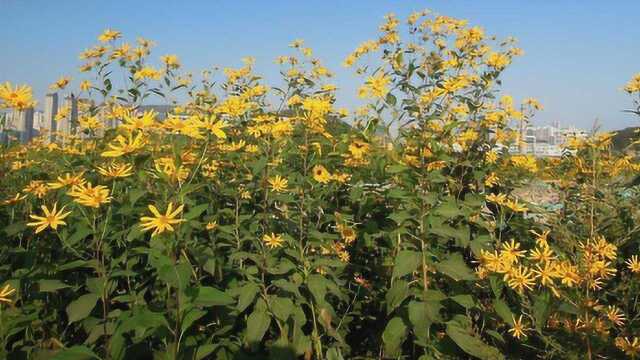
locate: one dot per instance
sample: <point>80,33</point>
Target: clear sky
<point>578,54</point>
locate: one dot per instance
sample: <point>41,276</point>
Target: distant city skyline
<point>578,55</point>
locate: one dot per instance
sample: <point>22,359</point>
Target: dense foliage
<point>259,222</point>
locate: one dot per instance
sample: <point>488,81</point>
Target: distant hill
<point>624,137</point>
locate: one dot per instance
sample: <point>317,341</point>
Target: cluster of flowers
<point>270,198</point>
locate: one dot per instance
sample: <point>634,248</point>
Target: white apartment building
<point>547,141</point>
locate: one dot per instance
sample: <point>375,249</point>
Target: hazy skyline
<point>578,55</point>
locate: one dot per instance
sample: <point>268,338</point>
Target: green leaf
<point>144,319</point>
<point>317,286</point>
<point>470,343</point>
<point>394,169</point>
<point>406,262</point>
<point>257,325</point>
<point>287,286</point>
<point>190,317</point>
<point>204,350</point>
<point>391,100</point>
<point>334,354</point>
<point>135,194</point>
<point>51,285</point>
<point>418,319</point>
<point>78,235</point>
<point>460,233</point>
<point>210,296</point>
<point>247,294</point>
<point>502,309</point>
<point>175,275</point>
<point>400,217</point>
<point>259,165</point>
<point>393,337</point>
<point>75,353</point>
<point>464,300</point>
<point>448,209</point>
<point>135,233</point>
<point>541,309</point>
<point>15,228</point>
<point>195,211</point>
<point>281,307</point>
<point>81,307</point>
<point>75,264</point>
<point>210,266</point>
<point>396,295</point>
<point>481,242</point>
<point>455,267</point>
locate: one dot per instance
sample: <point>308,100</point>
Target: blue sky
<point>578,54</point>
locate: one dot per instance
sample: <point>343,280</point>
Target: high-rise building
<point>23,124</point>
<point>546,141</point>
<point>66,125</point>
<point>50,112</point>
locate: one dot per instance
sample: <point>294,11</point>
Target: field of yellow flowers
<point>260,221</point>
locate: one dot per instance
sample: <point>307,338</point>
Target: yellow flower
<point>569,274</point>
<point>85,85</point>
<point>633,85</point>
<point>168,167</point>
<point>109,35</point>
<point>521,278</point>
<point>499,199</point>
<point>20,97</point>
<point>121,52</point>
<point>375,86</point>
<point>321,175</point>
<point>525,162</point>
<point>209,170</point>
<point>541,254</point>
<point>170,61</point>
<point>515,206</point>
<point>498,61</point>
<point>604,248</point>
<point>147,72</point>
<point>61,83</point>
<point>90,123</point>
<point>17,198</point>
<point>278,183</point>
<point>347,233</point>
<point>630,347</point>
<point>211,225</point>
<point>37,188</point>
<point>5,292</point>
<point>234,106</point>
<point>91,196</point>
<point>67,180</point>
<point>517,329</point>
<point>216,128</point>
<point>615,315</point>
<point>341,177</point>
<point>358,149</point>
<point>134,122</point>
<point>633,264</point>
<point>533,103</point>
<point>116,170</point>
<point>245,195</point>
<point>161,222</point>
<point>50,219</point>
<point>510,251</point>
<point>541,239</point>
<point>124,145</point>
<point>491,180</point>
<point>342,252</point>
<point>273,240</point>
<point>546,273</point>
